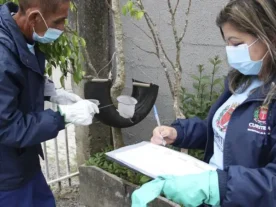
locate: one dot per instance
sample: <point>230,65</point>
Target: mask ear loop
<point>264,56</point>
<point>254,42</point>
<point>41,17</point>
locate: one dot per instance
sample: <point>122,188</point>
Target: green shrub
<point>206,90</point>
<point>100,160</point>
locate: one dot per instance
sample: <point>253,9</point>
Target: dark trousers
<point>36,193</point>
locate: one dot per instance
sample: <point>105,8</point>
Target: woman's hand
<point>188,190</point>
<point>164,133</point>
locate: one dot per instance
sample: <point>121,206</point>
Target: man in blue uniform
<point>24,124</point>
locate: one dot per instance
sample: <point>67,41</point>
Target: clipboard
<point>153,160</point>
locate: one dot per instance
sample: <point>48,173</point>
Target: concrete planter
<point>99,188</point>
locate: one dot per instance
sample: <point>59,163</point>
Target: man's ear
<point>33,18</point>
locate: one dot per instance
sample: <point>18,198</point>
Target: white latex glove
<point>80,113</point>
<point>63,97</point>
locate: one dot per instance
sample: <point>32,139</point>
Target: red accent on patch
<point>263,113</point>
<point>226,117</point>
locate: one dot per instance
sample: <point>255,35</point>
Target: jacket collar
<point>259,94</point>
<point>16,36</point>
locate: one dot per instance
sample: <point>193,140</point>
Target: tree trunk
<point>177,95</point>
<point>176,99</point>
<point>93,25</point>
<point>120,77</point>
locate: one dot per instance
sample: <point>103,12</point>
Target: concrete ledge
<point>99,188</point>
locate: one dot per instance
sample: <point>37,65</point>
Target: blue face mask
<point>50,35</point>
<point>239,59</point>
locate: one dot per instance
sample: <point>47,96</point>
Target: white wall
<point>202,41</point>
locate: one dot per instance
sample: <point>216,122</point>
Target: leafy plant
<point>207,90</point>
<point>134,12</point>
<point>100,160</point>
<point>64,53</point>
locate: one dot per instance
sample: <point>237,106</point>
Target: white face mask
<point>239,59</point>
<point>50,35</point>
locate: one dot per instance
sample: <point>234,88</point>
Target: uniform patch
<point>259,124</point>
<point>224,117</point>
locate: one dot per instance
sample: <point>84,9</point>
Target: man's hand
<point>169,134</point>
<point>63,97</point>
<point>80,113</point>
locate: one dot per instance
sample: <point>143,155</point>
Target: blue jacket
<point>23,122</point>
<point>249,175</point>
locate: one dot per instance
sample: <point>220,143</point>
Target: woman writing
<point>239,135</point>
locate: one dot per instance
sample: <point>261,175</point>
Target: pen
<point>158,122</point>
<point>156,115</point>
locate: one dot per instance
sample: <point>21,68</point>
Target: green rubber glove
<point>193,190</point>
<point>188,190</point>
<point>147,193</point>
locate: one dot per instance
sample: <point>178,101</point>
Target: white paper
<point>154,161</point>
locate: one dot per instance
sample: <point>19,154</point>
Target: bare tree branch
<point>176,87</point>
<point>110,62</point>
<point>178,67</point>
<point>143,31</point>
<point>164,52</point>
<point>186,23</point>
<point>90,65</point>
<point>178,47</point>
<point>176,6</point>
<point>184,32</point>
<point>157,41</point>
<point>173,21</point>
<point>144,50</point>
<point>94,70</point>
<point>154,32</point>
<point>150,25</point>
<point>157,38</point>
<point>141,6</point>
<point>162,63</point>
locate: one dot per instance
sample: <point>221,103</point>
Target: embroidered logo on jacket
<point>260,117</point>
<point>224,117</point>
